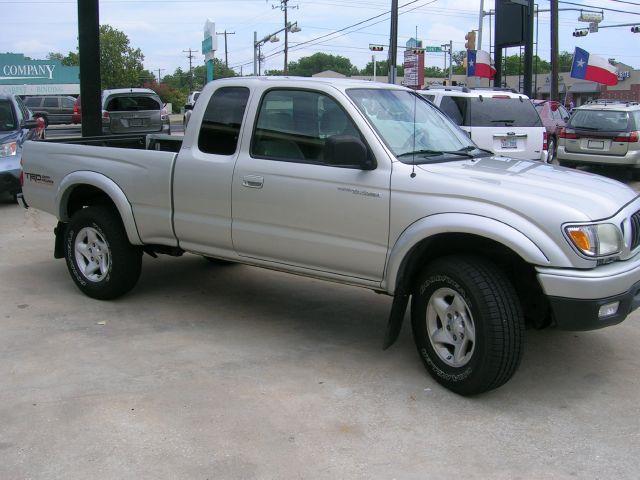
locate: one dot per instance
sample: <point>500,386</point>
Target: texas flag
<point>594,68</point>
<point>479,64</point>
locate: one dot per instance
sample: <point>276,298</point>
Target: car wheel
<point>468,324</point>
<point>101,261</point>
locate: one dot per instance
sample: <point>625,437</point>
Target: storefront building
<point>25,76</point>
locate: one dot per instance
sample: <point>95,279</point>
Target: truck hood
<point>532,187</point>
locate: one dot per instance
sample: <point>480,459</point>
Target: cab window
<point>294,125</point>
<point>222,121</point>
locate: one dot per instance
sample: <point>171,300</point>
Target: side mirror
<point>30,124</point>
<point>349,152</point>
<point>188,107</point>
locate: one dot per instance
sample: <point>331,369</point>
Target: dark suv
<point>54,109</point>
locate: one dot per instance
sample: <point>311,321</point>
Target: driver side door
<point>294,206</point>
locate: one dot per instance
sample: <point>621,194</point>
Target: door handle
<point>252,181</point>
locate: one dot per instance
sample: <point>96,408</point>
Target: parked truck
<point>363,184</point>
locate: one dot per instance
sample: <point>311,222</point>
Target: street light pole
<point>393,42</point>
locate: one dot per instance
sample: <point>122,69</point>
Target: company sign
<point>16,69</point>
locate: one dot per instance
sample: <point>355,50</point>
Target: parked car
<point>188,107</point>
<point>602,133</point>
<point>17,125</point>
<point>53,109</point>
<point>554,118</point>
<point>498,120</point>
<point>76,116</point>
<point>364,184</point>
<point>133,110</point>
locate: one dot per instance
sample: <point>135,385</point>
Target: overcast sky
<point>163,28</point>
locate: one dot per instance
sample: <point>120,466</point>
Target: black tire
<point>125,259</point>
<point>496,314</point>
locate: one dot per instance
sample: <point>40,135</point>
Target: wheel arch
<point>81,189</point>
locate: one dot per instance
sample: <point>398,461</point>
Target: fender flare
<point>108,186</point>
<point>547,253</point>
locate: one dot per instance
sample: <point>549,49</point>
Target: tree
<point>120,64</point>
<point>71,59</point>
<point>319,62</point>
<point>514,66</point>
<point>435,72</point>
<point>382,69</point>
<point>458,62</point>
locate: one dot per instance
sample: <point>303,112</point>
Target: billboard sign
<point>413,69</point>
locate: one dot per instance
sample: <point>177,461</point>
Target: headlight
<point>599,240</point>
<point>8,149</point>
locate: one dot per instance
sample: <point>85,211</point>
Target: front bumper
<point>632,158</point>
<point>575,296</point>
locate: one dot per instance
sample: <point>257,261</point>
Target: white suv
<point>501,121</point>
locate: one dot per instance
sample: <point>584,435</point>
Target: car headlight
<point>8,149</point>
<point>599,240</point>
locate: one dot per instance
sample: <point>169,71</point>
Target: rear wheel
<point>467,324</point>
<point>552,151</point>
<point>101,261</point>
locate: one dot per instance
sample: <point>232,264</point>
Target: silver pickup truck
<point>359,183</point>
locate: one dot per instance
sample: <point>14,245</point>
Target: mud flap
<point>59,231</point>
<point>398,309</point>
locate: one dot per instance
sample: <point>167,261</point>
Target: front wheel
<point>101,261</point>
<point>467,324</point>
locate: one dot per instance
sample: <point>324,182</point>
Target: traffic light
<point>376,48</point>
<point>581,32</point>
<point>635,29</point>
<point>470,38</point>
<point>417,51</point>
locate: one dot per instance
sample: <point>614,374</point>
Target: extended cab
<point>359,183</point>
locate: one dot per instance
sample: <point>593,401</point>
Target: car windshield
<point>131,103</point>
<point>7,118</point>
<point>603,120</point>
<point>410,125</point>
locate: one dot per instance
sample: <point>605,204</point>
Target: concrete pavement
<point>233,372</point>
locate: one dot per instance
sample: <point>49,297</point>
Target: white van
<point>498,120</point>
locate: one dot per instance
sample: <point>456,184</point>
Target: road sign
<point>207,45</point>
<point>433,49</point>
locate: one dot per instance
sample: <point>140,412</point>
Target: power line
<point>584,5</point>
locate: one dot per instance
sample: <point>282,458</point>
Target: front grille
<point>635,230</point>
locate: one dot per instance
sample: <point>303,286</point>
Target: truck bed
<point>140,165</point>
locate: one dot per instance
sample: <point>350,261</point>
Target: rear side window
<point>50,102</point>
<point>133,103</point>
<point>454,107</point>
<point>68,102</point>
<point>33,101</point>
<point>502,112</point>
<point>602,120</point>
<point>222,120</point>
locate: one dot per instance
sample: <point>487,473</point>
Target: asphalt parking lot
<point>216,372</point>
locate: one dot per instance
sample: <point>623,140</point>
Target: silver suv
<point>133,110</point>
<point>602,133</point>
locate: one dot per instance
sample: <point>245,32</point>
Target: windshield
<point>7,118</point>
<point>392,114</point>
<point>604,120</point>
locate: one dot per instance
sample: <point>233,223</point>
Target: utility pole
<point>480,23</point>
<point>393,42</point>
<point>89,49</point>
<point>190,57</point>
<point>527,84</point>
<point>255,54</point>
<point>554,51</point>
<point>450,62</point>
<point>226,55</point>
<point>284,6</point>
<point>160,75</point>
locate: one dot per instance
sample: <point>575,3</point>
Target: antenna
<point>413,148</point>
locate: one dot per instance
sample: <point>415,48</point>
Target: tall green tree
<point>71,59</point>
<point>120,63</point>
<point>319,62</point>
